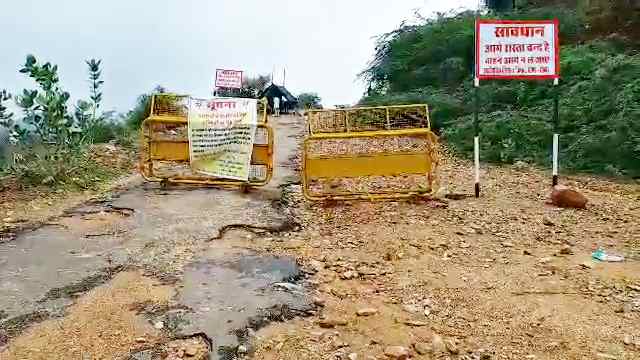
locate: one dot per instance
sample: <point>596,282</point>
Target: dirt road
<point>148,237</point>
<point>501,277</point>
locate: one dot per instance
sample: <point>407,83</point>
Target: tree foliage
<point>309,100</point>
<point>251,87</point>
<point>45,109</point>
<point>599,93</point>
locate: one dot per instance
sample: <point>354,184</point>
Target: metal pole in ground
<point>476,137</point>
<point>556,130</point>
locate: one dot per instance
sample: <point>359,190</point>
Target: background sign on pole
<point>230,79</point>
<point>517,49</point>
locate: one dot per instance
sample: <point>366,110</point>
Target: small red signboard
<point>517,49</point>
<point>228,79</point>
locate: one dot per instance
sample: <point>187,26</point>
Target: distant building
<point>288,102</point>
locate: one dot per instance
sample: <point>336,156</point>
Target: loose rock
<point>348,275</point>
<point>397,352</point>
<point>566,250</point>
<point>191,350</point>
<point>586,265</point>
<point>437,344</point>
<point>415,323</point>
<point>451,346</point>
<point>316,265</point>
<point>367,312</point>
<point>318,301</point>
<point>564,197</point>
<point>422,348</point>
<point>331,323</point>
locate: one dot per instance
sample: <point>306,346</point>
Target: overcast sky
<point>323,44</point>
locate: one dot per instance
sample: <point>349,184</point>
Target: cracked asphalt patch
<point>51,274</point>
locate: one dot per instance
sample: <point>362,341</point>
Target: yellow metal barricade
<point>369,153</point>
<point>165,146</point>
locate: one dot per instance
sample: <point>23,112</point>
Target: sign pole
<point>476,136</point>
<point>556,130</point>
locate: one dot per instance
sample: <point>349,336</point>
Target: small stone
<point>628,340</point>
<point>530,357</point>
<point>242,349</point>
<point>586,265</point>
<point>606,356</point>
<point>348,275</point>
<point>422,348</point>
<point>415,323</point>
<point>547,221</point>
<point>437,344</point>
<point>366,270</point>
<point>318,301</point>
<point>141,340</point>
<point>527,252</point>
<point>397,352</point>
<point>412,309</point>
<point>507,244</point>
<point>634,287</point>
<point>545,260</point>
<point>566,250</point>
<point>316,265</point>
<point>158,325</point>
<point>353,356</point>
<point>451,346</point>
<point>331,323</point>
<point>191,350</point>
<point>367,312</point>
<point>520,165</point>
<point>316,335</point>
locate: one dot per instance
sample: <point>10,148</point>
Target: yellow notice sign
<point>221,136</point>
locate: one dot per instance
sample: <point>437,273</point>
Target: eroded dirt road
<point>164,275</point>
<point>501,277</point>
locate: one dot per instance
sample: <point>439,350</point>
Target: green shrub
<point>599,94</point>
<point>58,166</point>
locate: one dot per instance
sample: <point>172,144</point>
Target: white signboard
<point>524,49</point>
<point>228,79</point>
<point>221,136</point>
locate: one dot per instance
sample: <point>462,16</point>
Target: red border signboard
<point>231,79</point>
<point>517,49</point>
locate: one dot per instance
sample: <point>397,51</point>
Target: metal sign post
<point>556,131</point>
<point>476,136</point>
<point>517,50</point>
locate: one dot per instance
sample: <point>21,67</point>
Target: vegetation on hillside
<point>49,142</point>
<point>599,91</point>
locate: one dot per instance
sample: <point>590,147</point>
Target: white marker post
<point>556,136</point>
<point>476,137</point>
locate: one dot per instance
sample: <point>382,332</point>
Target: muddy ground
<point>174,273</point>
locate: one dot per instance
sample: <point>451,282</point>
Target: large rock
<point>564,197</point>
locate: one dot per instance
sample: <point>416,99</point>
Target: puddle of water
<point>228,291</point>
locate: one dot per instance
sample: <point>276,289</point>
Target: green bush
<point>599,94</point>
<point>58,166</point>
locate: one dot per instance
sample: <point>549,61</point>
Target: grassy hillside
<point>599,92</point>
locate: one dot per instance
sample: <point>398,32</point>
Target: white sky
<point>178,44</point>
